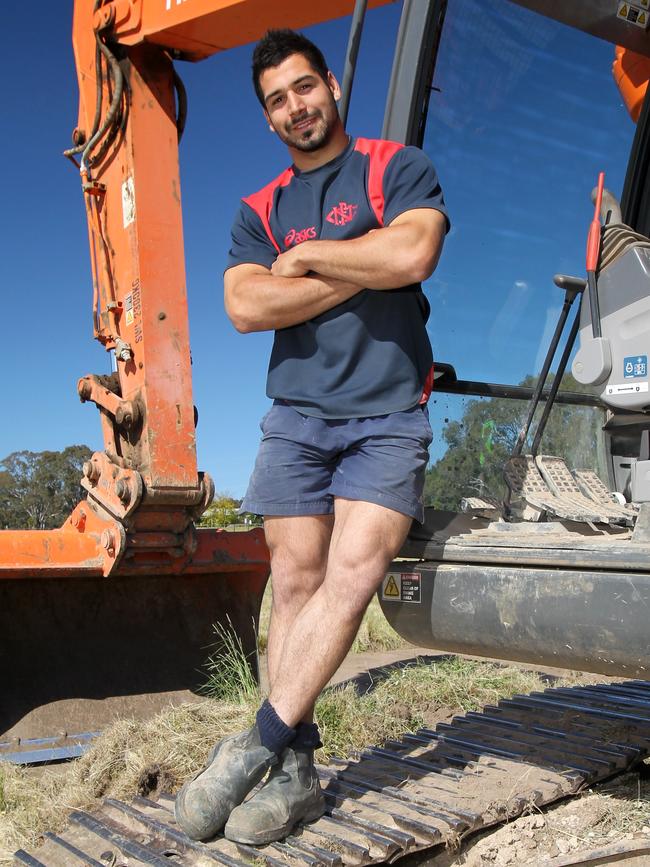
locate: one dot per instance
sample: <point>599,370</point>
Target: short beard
<point>315,138</point>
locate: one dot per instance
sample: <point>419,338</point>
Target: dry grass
<point>165,749</point>
<point>403,701</point>
<point>625,804</point>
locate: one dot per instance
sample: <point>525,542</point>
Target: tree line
<point>39,490</point>
<point>482,440</point>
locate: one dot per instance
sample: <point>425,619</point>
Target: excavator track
<point>427,790</point>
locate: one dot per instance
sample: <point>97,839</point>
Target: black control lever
<point>572,286</point>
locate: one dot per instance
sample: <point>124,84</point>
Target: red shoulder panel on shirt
<point>427,388</point>
<point>262,201</point>
<point>380,153</point>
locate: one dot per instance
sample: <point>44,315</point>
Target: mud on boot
<point>234,767</point>
<point>291,794</point>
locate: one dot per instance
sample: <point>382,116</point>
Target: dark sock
<point>307,737</point>
<point>275,735</point>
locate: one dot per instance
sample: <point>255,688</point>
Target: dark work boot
<point>234,767</point>
<point>291,794</point>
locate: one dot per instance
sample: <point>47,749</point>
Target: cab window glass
<point>523,115</point>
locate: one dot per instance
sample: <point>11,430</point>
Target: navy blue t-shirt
<point>369,355</point>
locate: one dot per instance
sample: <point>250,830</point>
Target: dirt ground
<point>606,824</point>
<point>612,819</point>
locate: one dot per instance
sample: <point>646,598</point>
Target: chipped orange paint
<point>76,548</point>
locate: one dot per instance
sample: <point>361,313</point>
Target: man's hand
<point>289,264</point>
<point>403,253</point>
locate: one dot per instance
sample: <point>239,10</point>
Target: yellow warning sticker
<point>128,308</point>
<point>634,14</point>
<point>401,587</point>
<point>391,590</point>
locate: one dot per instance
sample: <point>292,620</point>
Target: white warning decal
<point>128,202</point>
<point>627,388</point>
<point>401,587</point>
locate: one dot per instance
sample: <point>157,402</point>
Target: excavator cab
<point>536,547</point>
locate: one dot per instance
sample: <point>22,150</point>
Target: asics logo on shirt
<point>342,214</point>
<point>297,236</point>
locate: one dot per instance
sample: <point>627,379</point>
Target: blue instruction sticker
<point>635,365</point>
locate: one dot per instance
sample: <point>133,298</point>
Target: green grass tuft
<point>230,675</point>
<point>411,697</point>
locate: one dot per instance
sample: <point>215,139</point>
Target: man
<point>330,255</point>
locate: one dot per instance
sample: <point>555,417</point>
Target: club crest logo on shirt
<point>342,214</point>
<point>297,236</point>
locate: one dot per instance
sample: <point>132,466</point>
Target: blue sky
<point>526,115</point>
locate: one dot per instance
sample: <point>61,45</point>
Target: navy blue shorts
<point>304,462</point>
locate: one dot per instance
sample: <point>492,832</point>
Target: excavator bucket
<point>82,650</point>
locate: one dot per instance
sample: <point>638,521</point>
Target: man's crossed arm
<point>315,276</point>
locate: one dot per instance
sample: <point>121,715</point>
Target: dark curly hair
<point>274,48</point>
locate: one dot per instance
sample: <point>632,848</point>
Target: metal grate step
<point>558,477</point>
<point>593,487</point>
<point>545,486</point>
<point>532,497</point>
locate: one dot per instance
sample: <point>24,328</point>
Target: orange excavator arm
<point>196,29</point>
<point>144,489</point>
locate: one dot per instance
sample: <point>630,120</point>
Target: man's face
<point>298,104</point>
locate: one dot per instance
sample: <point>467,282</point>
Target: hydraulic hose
<point>114,107</point>
<point>99,86</point>
<point>181,103</point>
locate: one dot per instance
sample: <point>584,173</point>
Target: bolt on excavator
<point>125,594</point>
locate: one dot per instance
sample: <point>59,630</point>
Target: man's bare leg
<point>365,539</point>
<point>299,549</point>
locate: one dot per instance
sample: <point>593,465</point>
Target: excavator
<point>125,595</point>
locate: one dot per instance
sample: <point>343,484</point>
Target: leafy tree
<point>38,490</point>
<point>222,512</point>
<point>480,443</point>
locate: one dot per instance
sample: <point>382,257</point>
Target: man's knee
<point>349,587</point>
<point>294,580</point>
<point>298,548</point>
